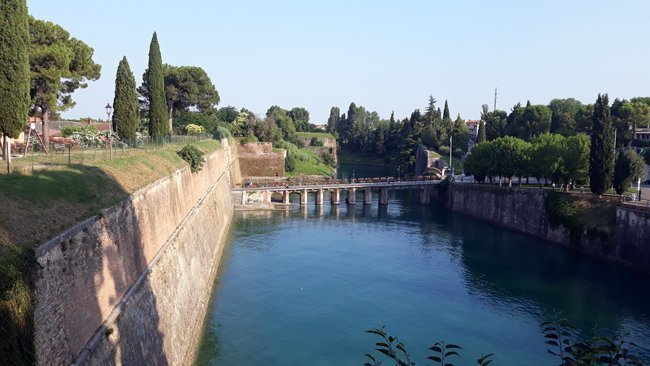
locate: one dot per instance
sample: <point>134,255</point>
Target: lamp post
<point>109,110</point>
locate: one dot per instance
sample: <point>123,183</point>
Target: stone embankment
<point>131,286</point>
<point>523,210</point>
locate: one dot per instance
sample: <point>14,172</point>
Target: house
<point>472,125</point>
<point>642,134</point>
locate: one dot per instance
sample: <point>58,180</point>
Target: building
<point>642,134</point>
<point>472,125</point>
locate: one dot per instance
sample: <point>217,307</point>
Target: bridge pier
<point>319,197</point>
<point>335,196</point>
<point>285,197</point>
<point>367,197</point>
<point>352,199</point>
<point>383,196</point>
<point>425,198</point>
<point>303,197</point>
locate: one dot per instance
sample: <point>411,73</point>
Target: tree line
<point>364,131</point>
<point>568,159</point>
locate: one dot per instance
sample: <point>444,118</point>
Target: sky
<point>385,55</point>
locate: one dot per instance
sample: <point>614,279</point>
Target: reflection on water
<point>300,287</point>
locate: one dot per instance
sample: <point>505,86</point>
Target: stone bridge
<point>264,195</point>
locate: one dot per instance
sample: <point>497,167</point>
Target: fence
<point>64,152</point>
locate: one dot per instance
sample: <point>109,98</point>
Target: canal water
<point>301,287</point>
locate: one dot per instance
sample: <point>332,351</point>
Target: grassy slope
<point>313,166</point>
<point>322,135</point>
<point>35,207</point>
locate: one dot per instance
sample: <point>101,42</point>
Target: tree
<point>333,120</point>
<point>601,157</point>
<point>461,134</point>
<point>283,121</point>
<point>227,114</point>
<point>59,65</point>
<point>564,113</point>
<point>629,167</point>
<point>548,151</point>
<point>495,124</point>
<point>481,137</point>
<point>445,114</point>
<point>576,160</point>
<point>510,157</point>
<point>14,70</point>
<point>154,83</point>
<point>431,112</point>
<point>125,103</point>
<point>188,86</point>
<point>300,118</point>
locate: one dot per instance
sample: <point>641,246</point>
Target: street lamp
<point>451,148</point>
<point>109,110</point>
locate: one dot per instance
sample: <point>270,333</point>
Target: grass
<point>355,157</point>
<point>38,204</point>
<point>312,166</point>
<point>320,135</point>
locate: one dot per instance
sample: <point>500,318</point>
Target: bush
<point>315,141</point>
<point>67,131</point>
<point>247,140</point>
<point>328,159</point>
<point>193,129</point>
<point>289,163</point>
<point>561,211</point>
<point>292,150</point>
<point>444,150</point>
<point>193,156</point>
<point>222,133</point>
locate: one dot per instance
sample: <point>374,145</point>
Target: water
<point>301,287</point>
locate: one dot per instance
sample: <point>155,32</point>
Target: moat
<point>301,287</point>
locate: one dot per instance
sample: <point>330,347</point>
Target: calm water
<point>301,287</point>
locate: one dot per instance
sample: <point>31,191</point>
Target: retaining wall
<point>523,210</point>
<point>131,285</point>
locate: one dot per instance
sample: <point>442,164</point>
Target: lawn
<point>320,135</point>
<point>312,166</point>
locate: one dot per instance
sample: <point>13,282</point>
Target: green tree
<point>601,158</point>
<point>431,113</point>
<point>125,103</point>
<point>445,114</point>
<point>509,157</point>
<point>564,113</point>
<point>59,65</point>
<point>481,137</point>
<point>188,86</point>
<point>14,70</point>
<point>300,118</point>
<point>547,156</point>
<point>154,82</point>
<point>227,114</point>
<point>460,134</point>
<point>283,121</point>
<point>333,120</point>
<point>629,167</point>
<point>495,124</point>
<point>576,160</point>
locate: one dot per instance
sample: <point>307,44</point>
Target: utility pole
<point>495,98</point>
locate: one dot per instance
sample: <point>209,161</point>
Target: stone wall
<point>523,210</point>
<point>131,285</point>
<point>259,160</point>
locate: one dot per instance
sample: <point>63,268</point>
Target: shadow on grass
<point>56,294</point>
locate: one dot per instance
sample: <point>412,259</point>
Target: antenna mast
<point>495,98</point>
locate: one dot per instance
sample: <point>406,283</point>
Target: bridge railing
<point>334,181</point>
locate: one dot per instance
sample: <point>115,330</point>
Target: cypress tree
<point>445,113</point>
<point>601,157</point>
<point>154,79</point>
<point>481,133</point>
<point>14,66</point>
<point>125,104</point>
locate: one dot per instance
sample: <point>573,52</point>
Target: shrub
<point>315,141</point>
<point>292,150</point>
<point>328,159</point>
<point>193,129</point>
<point>193,156</point>
<point>222,133</point>
<point>444,150</point>
<point>289,163</point>
<point>561,211</point>
<point>67,131</point>
<point>248,139</point>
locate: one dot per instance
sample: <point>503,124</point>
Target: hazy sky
<point>384,55</point>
